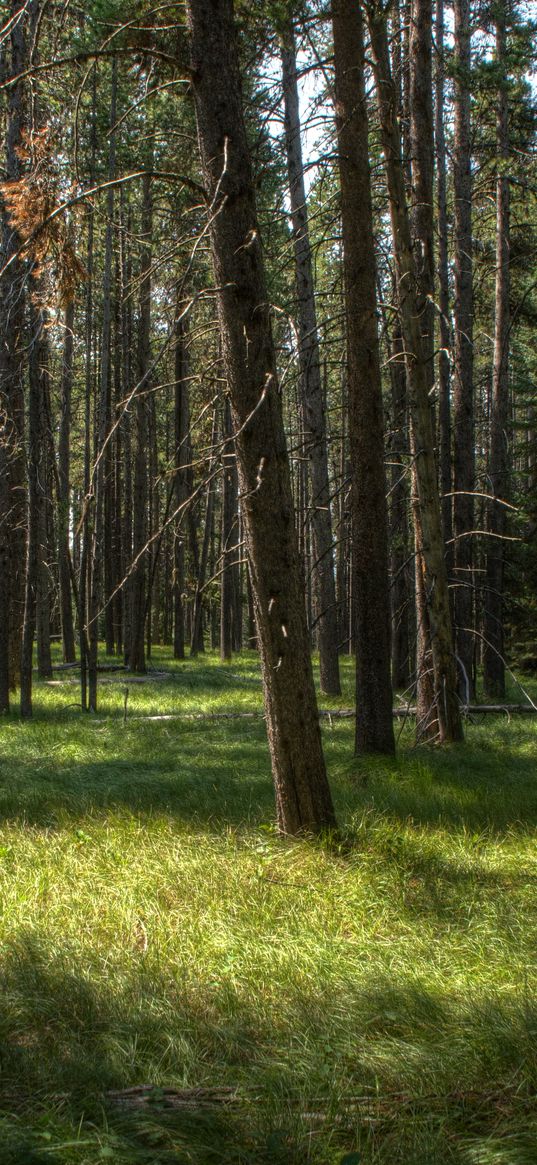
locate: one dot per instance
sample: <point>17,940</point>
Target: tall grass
<point>373,997</point>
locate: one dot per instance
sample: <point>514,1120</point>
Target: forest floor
<point>368,1000</point>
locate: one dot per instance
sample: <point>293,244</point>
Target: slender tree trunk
<point>12,363</point>
<point>138,580</point>
<point>493,647</point>
<point>64,492</point>
<point>196,639</point>
<point>463,388</point>
<point>435,580</point>
<point>88,683</point>
<point>313,411</point>
<point>182,458</point>
<point>444,370</point>
<point>401,589</point>
<point>374,719</point>
<point>422,224</point>
<point>303,799</point>
<point>226,553</point>
<point>37,478</point>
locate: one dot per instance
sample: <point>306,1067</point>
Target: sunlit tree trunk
<point>303,799</point>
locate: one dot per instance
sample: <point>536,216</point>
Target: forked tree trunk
<point>493,647</point>
<point>435,574</point>
<point>310,385</point>
<point>303,799</point>
<point>374,720</point>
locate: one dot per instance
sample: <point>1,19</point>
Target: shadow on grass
<point>403,1074</point>
<point>203,778</point>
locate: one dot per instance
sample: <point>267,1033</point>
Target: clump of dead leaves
<point>37,212</point>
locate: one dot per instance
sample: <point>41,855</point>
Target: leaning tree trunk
<point>463,388</point>
<point>435,575</point>
<point>374,719</point>
<point>303,799</point>
<point>311,388</point>
<point>493,648</point>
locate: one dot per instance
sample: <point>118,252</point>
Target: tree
<point>374,721</point>
<point>435,574</point>
<point>303,798</point>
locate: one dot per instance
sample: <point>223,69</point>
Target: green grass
<point>375,997</point>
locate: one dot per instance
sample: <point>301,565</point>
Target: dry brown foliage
<point>46,236</point>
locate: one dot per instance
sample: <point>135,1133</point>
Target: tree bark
<point>374,721</point>
<point>463,388</point>
<point>64,490</point>
<point>303,799</point>
<point>493,646</point>
<point>12,364</point>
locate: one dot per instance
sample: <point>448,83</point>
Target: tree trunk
<point>303,800</point>
<point>182,458</point>
<point>374,720</point>
<point>64,491</point>
<point>436,585</point>
<point>313,412</point>
<point>493,647</point>
<point>138,579</point>
<point>12,348</point>
<point>226,552</point>
<point>463,389</point>
<point>444,369</point>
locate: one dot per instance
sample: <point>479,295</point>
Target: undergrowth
<point>368,998</point>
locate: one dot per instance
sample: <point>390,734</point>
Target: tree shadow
<point>229,783</point>
<point>402,1073</point>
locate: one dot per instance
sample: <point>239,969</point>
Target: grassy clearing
<point>377,998</point>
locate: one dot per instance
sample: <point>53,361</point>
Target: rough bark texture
<point>435,575</point>
<point>310,382</point>
<point>374,722</point>
<point>463,388</point>
<point>493,647</point>
<point>422,222</point>
<point>303,799</point>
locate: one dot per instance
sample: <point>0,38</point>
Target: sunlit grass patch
<point>373,994</point>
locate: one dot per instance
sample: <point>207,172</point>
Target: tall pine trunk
<point>463,386</point>
<point>374,718</point>
<point>303,799</point>
<point>493,647</point>
<point>446,705</point>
